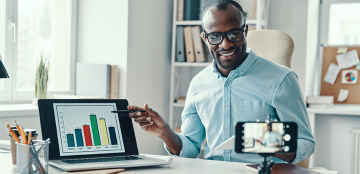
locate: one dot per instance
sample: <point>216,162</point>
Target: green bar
<point>95,130</point>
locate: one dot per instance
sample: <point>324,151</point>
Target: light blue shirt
<point>254,90</point>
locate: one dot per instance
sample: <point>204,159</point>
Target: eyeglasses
<point>234,35</point>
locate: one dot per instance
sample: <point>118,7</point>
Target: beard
<point>241,58</point>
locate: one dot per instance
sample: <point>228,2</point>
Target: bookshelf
<point>183,72</point>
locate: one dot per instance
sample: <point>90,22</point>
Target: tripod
<point>265,166</point>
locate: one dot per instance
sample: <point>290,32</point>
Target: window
<point>340,22</point>
<point>35,28</point>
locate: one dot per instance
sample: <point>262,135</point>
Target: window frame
<point>11,94</point>
<point>324,19</point>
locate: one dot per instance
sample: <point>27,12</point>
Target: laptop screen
<point>87,128</point>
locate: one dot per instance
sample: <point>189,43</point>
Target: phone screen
<point>256,137</point>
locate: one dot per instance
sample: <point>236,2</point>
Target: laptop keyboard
<point>101,159</point>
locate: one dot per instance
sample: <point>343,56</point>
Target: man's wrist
<point>166,132</point>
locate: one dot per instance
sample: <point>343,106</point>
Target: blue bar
<point>79,138</point>
<point>112,136</point>
<point>70,140</point>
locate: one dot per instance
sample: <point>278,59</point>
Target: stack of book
<point>320,101</point>
<point>191,9</point>
<point>189,46</point>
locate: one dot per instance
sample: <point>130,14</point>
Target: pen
<point>24,134</point>
<point>127,111</point>
<point>29,138</point>
<point>12,134</point>
<point>21,132</point>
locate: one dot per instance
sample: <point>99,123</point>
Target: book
<point>93,80</point>
<point>281,168</point>
<point>198,46</point>
<point>181,100</point>
<point>320,99</point>
<point>320,105</point>
<point>179,54</point>
<point>114,82</point>
<point>180,10</point>
<point>189,46</point>
<point>191,10</point>
<point>251,27</point>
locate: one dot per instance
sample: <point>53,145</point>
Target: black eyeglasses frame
<point>225,35</point>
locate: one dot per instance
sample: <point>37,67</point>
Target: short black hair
<point>223,4</point>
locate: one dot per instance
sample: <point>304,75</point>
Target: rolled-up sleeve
<point>192,130</point>
<point>290,106</point>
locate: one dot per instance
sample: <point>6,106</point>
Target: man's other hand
<point>150,121</point>
<point>154,124</point>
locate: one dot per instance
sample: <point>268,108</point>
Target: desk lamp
<point>3,73</point>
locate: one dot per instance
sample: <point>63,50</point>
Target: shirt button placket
<point>226,134</point>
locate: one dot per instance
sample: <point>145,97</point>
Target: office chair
<point>276,46</point>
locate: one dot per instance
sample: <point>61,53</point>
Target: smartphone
<point>266,138</point>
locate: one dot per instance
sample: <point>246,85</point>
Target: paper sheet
<point>349,77</point>
<point>343,95</point>
<point>358,66</point>
<point>332,73</point>
<point>342,50</point>
<point>347,60</point>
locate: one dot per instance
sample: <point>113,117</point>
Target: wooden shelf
<point>178,104</point>
<point>192,64</point>
<point>188,22</point>
<point>248,21</point>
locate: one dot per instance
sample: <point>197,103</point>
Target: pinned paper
<point>343,95</point>
<point>342,50</point>
<point>332,73</point>
<point>347,60</point>
<point>358,66</point>
<point>349,76</point>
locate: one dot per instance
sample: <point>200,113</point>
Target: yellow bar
<point>103,130</point>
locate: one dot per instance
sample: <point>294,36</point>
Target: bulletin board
<point>329,56</point>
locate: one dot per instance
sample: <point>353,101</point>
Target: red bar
<point>87,135</point>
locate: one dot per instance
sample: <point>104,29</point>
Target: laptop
<point>85,135</point>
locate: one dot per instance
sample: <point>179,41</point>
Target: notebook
<point>281,168</point>
<point>85,134</point>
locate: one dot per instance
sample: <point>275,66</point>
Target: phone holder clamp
<point>265,167</point>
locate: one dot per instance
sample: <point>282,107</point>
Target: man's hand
<point>150,121</point>
<point>154,124</point>
<point>288,157</point>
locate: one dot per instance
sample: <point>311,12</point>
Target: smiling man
<point>238,86</point>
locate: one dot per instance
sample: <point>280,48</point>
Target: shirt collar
<point>244,67</point>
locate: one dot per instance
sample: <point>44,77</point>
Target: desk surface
<point>337,110</point>
<point>177,166</point>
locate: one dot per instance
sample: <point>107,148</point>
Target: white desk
<point>177,166</point>
<point>353,110</point>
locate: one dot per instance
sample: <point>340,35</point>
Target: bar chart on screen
<point>80,130</point>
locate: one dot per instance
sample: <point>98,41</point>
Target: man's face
<point>228,55</point>
<point>269,127</point>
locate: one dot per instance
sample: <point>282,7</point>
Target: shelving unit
<point>183,72</point>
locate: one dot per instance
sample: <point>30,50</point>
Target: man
<point>238,86</point>
<point>271,138</point>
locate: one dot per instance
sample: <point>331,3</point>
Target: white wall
<point>102,35</point>
<point>136,35</point>
<point>148,64</point>
<point>290,16</point>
